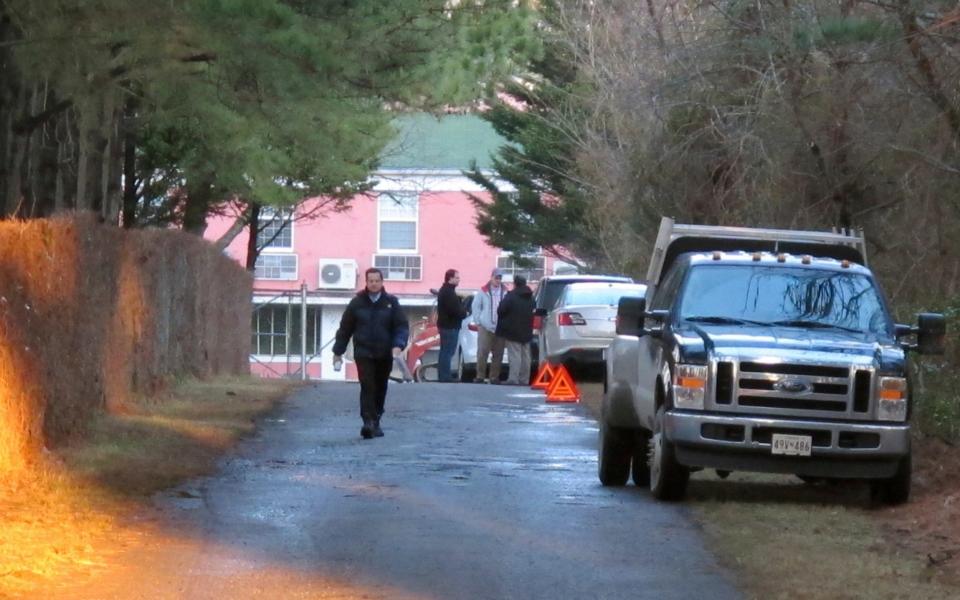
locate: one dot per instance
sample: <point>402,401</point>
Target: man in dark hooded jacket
<point>450,314</point>
<point>379,330</point>
<point>515,325</point>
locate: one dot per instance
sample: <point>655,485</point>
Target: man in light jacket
<point>484,310</point>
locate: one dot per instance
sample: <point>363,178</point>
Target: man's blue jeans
<point>448,345</point>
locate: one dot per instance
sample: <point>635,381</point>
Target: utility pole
<point>303,330</point>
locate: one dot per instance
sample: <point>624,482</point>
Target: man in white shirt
<point>484,310</point>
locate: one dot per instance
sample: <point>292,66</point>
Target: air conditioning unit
<point>338,274</point>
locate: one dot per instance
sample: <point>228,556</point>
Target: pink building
<point>417,223</point>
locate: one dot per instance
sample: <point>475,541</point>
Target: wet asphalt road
<point>475,492</point>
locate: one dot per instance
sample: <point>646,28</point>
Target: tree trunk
<point>18,147</point>
<point>82,199</point>
<point>199,199</point>
<point>238,225</point>
<point>253,251</point>
<point>129,217</point>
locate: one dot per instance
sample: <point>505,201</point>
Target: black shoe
<point>366,432</point>
<point>377,432</point>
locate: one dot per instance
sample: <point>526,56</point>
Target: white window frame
<point>270,213</point>
<point>296,260</point>
<point>386,272</point>
<point>316,331</point>
<point>415,220</point>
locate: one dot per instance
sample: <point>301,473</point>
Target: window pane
<point>264,346</point>
<point>313,329</point>
<point>276,230</point>
<point>398,206</point>
<point>402,267</point>
<point>294,324</point>
<point>276,266</point>
<point>398,235</point>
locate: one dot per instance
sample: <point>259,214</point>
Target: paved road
<point>475,492</point>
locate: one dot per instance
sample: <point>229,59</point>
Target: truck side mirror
<point>630,312</point>
<point>931,333</point>
<point>657,317</point>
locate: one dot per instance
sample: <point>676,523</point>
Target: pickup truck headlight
<point>689,386</point>
<point>892,399</point>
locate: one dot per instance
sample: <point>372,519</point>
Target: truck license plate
<point>791,445</point>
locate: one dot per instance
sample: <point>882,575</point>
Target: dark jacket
<point>376,328</point>
<point>450,311</point>
<point>516,315</point>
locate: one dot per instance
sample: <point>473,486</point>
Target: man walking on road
<point>450,313</point>
<point>516,326</point>
<point>379,329</point>
<point>484,309</point>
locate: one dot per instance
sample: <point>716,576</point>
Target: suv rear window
<point>549,290</point>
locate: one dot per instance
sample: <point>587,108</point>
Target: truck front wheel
<point>614,459</point>
<point>668,478</point>
<point>895,490</point>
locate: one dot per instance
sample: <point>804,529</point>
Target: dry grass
<point>71,513</point>
<point>786,539</point>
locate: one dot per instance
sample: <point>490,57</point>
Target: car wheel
<point>427,373</point>
<point>896,489</point>
<point>614,456</point>
<point>417,375</point>
<point>668,478</point>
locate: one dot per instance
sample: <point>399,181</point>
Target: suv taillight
<point>537,322</point>
<point>570,318</point>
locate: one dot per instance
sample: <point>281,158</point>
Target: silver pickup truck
<point>760,350</point>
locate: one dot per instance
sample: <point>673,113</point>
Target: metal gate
<point>295,303</point>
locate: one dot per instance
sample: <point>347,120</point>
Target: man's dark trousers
<point>448,346</point>
<point>374,374</point>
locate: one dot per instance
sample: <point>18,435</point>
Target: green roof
<point>449,142</point>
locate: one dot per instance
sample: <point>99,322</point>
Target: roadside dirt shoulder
<point>930,523</point>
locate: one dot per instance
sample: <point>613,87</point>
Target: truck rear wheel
<point>640,465</point>
<point>895,490</point>
<point>615,453</point>
<point>668,478</point>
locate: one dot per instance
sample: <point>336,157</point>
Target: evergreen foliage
<point>111,105</point>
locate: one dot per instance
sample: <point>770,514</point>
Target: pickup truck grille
<point>793,389</point>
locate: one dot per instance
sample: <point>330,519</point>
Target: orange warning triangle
<point>544,377</point>
<point>562,388</point>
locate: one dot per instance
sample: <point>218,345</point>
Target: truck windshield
<point>755,294</point>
